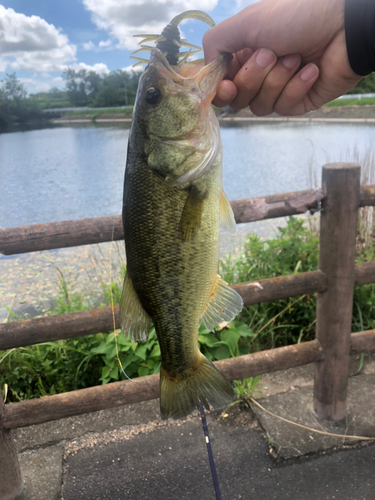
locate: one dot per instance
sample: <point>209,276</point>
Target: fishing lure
<point>170,42</point>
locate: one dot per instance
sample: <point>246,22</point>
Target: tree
<point>117,89</point>
<point>82,86</point>
<point>365,86</point>
<point>14,107</point>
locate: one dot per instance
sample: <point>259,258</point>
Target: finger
<point>251,76</point>
<point>294,99</point>
<point>225,94</point>
<point>274,83</point>
<point>219,39</point>
<point>239,59</point>
<point>227,90</point>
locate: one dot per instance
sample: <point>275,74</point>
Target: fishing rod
<point>209,451</point>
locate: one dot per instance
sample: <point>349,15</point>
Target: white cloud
<point>99,68</point>
<point>42,87</point>
<point>125,18</point>
<point>241,4</point>
<point>130,69</point>
<point>88,46</point>
<point>3,65</point>
<point>39,84</point>
<point>30,43</point>
<point>26,81</point>
<point>106,43</point>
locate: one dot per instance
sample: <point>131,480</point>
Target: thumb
<point>225,37</point>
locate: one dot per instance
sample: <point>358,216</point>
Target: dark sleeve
<point>360,35</point>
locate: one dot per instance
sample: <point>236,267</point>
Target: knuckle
<point>282,110</point>
<point>260,110</point>
<point>206,39</point>
<point>237,105</point>
<point>247,82</point>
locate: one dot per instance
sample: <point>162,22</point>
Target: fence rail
<point>334,282</point>
<point>66,326</point>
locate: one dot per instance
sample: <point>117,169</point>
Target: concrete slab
<point>296,405</point>
<point>130,453</point>
<point>303,376</point>
<point>169,461</point>
<point>41,470</point>
<point>75,427</point>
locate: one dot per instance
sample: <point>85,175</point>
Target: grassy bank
<point>347,110</point>
<point>56,367</point>
<point>364,101</point>
<point>98,112</point>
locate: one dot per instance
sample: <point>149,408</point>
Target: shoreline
<point>235,119</point>
<point>339,114</point>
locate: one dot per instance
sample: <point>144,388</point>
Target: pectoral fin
<point>191,216</point>
<point>224,304</point>
<point>133,318</point>
<point>227,221</point>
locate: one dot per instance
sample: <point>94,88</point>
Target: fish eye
<point>152,95</point>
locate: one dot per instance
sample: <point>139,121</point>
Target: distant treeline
<point>86,88</point>
<point>15,107</point>
<point>365,86</point>
<point>83,88</point>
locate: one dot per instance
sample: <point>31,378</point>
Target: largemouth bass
<point>173,207</point>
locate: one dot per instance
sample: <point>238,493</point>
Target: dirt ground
<point>31,282</point>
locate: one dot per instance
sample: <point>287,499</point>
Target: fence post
<point>338,229</point>
<point>11,483</point>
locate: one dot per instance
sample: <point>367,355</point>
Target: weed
<point>55,367</point>
<point>354,101</point>
<point>245,389</point>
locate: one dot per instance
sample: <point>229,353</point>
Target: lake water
<point>75,172</point>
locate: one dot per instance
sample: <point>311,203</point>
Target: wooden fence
<point>340,198</point>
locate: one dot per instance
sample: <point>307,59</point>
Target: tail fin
<point>179,397</point>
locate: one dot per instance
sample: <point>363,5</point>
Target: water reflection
<point>76,172</point>
<point>270,158</point>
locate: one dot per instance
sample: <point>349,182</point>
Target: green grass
<point>352,102</point>
<point>127,111</point>
<point>65,365</point>
<point>52,103</point>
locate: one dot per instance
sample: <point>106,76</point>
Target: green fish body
<point>173,208</point>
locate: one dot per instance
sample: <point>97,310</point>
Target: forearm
<point>360,35</point>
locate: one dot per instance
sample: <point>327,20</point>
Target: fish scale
<point>172,210</point>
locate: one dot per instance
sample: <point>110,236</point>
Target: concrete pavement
<point>129,453</point>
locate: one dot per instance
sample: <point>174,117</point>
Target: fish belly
<point>173,280</point>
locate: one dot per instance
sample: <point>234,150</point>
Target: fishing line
<point>209,451</point>
<point>311,429</point>
<point>113,308</point>
<point>113,315</point>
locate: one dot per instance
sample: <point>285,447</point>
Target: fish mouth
<point>206,77</point>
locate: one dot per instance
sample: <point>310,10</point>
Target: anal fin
<point>133,318</point>
<point>224,305</point>
<point>227,221</point>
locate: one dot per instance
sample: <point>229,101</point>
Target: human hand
<point>313,29</point>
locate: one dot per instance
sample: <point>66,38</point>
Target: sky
<point>39,38</point>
